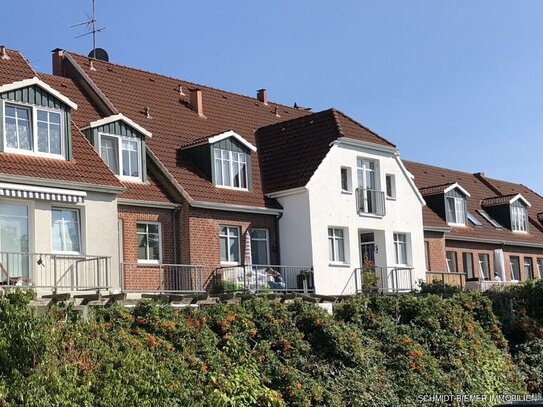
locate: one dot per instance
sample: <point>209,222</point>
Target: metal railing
<point>384,280</point>
<point>259,278</point>
<point>452,279</point>
<point>164,278</point>
<point>370,201</point>
<point>484,285</point>
<point>57,272</point>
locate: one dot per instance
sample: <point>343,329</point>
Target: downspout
<point>174,227</point>
<point>277,218</point>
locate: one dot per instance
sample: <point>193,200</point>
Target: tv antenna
<point>91,28</point>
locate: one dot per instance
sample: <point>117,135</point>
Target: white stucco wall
<point>328,207</point>
<point>99,236</point>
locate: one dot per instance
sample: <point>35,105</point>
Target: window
<point>489,219</point>
<point>484,267</point>
<point>474,220</point>
<point>400,248</point>
<point>126,161</point>
<point>391,186</point>
<point>149,242</point>
<point>456,210</point>
<point>451,262</point>
<point>336,245</point>
<point>32,129</point>
<point>540,267</point>
<point>366,174</point>
<point>427,255</point>
<point>230,169</point>
<point>346,183</point>
<point>467,259</point>
<point>528,268</point>
<point>14,238</point>
<point>370,200</point>
<point>260,246</point>
<point>515,267</point>
<point>519,218</point>
<point>229,237</point>
<point>66,230</point>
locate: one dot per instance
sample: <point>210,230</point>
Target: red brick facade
<point>438,246</point>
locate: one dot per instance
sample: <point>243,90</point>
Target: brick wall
<point>144,277</point>
<point>435,242</point>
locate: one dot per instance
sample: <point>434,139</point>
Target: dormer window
<point>456,210</point>
<point>519,217</point>
<point>124,161</point>
<point>230,169</point>
<point>33,130</point>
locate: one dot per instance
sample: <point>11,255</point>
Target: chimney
<point>196,101</point>
<point>3,54</point>
<point>479,174</point>
<point>277,111</point>
<point>262,95</point>
<point>58,54</point>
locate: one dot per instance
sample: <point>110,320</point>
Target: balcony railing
<point>384,279</point>
<point>484,285</point>
<point>162,278</point>
<point>261,278</point>
<point>370,201</point>
<point>452,279</point>
<point>55,272</point>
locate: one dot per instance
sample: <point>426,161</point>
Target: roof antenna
<point>91,28</point>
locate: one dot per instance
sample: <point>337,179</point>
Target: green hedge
<point>375,351</point>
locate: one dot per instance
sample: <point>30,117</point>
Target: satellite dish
<point>101,54</point>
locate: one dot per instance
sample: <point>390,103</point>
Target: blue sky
<point>457,84</point>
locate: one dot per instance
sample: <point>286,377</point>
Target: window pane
<point>233,231</point>
<point>234,249</point>
<point>72,238</point>
<point>258,234</point>
<point>42,115</point>
<point>451,214</point>
<point>65,230</point>
<point>54,139</point>
<point>340,250</point>
<point>126,163</point>
<point>259,251</point>
<point>224,251</point>
<point>109,153</point>
<point>226,172</point>
<point>243,174</point>
<point>218,169</point>
<point>43,137</point>
<point>223,230</point>
<point>142,228</point>
<point>14,236</point>
<point>54,118</point>
<point>142,246</point>
<point>152,228</point>
<point>235,174</point>
<point>10,111</point>
<point>331,256</point>
<point>23,128</point>
<point>338,232</point>
<point>11,133</point>
<point>154,245</point>
<point>134,164</point>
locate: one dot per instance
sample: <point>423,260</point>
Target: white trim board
<point>38,82</point>
<point>117,117</point>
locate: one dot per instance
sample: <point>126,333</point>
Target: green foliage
<point>374,351</point>
<point>437,287</point>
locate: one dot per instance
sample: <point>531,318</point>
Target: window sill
<point>134,180</point>
<point>391,198</point>
<point>31,153</point>
<point>345,192</point>
<point>524,232</point>
<point>370,215</point>
<point>232,188</point>
<point>338,264</point>
<point>149,262</point>
<point>230,263</point>
<point>458,225</point>
<point>60,253</point>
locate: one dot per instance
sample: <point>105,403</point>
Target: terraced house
<point>477,228</point>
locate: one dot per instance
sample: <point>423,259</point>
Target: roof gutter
<point>436,229</point>
<point>148,204</point>
<point>491,241</point>
<point>21,179</point>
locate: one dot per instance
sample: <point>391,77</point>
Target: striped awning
<point>48,194</point>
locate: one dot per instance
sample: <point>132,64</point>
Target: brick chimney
<point>3,54</point>
<point>262,95</point>
<point>57,61</point>
<point>196,101</point>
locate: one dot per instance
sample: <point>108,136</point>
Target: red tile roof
<point>174,123</point>
<point>86,165</point>
<point>497,200</point>
<point>434,189</point>
<point>291,151</point>
<point>480,188</point>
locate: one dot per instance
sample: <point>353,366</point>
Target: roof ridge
<point>361,125</point>
<point>286,122</point>
<point>178,79</point>
<point>514,183</point>
<point>335,114</point>
<point>23,57</point>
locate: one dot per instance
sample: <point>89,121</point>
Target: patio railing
<point>163,278</point>
<point>453,279</point>
<point>384,280</point>
<point>253,278</point>
<point>484,285</point>
<point>57,272</point>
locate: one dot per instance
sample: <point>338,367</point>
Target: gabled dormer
<point>121,144</point>
<point>225,159</point>
<point>510,211</point>
<point>35,120</point>
<point>449,202</point>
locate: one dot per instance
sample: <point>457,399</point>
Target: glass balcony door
<point>13,241</point>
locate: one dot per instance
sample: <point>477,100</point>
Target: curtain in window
<point>65,230</point>
<point>109,153</point>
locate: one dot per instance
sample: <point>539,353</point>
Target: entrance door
<point>13,241</point>
<point>367,247</point>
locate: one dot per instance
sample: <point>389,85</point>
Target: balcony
<point>370,201</point>
<point>162,278</point>
<point>452,279</point>
<point>485,285</point>
<point>255,279</point>
<point>384,280</point>
<point>55,272</point>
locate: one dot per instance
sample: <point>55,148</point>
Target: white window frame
<point>519,219</point>
<point>33,118</point>
<point>231,167</point>
<point>150,261</point>
<point>485,256</point>
<point>539,262</point>
<point>265,239</point>
<point>348,180</point>
<point>397,247</point>
<point>78,213</point>
<point>120,155</point>
<point>336,240</point>
<point>529,261</point>
<point>392,178</point>
<point>465,255</point>
<point>229,261</point>
<point>457,202</point>
<point>513,277</point>
<point>451,262</point>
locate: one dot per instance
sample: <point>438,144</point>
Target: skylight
<point>489,219</point>
<point>474,220</point>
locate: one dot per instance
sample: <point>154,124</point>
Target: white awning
<point>48,194</point>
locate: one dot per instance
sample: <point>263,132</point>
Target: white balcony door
<point>13,241</point>
<point>366,183</point>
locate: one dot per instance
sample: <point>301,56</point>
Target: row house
<point>479,232</point>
